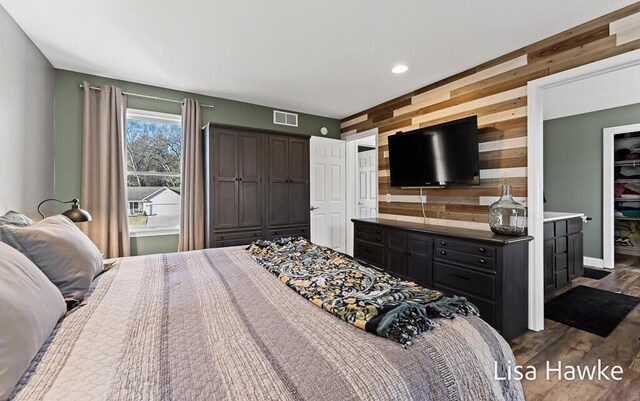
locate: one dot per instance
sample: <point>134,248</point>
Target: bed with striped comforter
<point>214,325</point>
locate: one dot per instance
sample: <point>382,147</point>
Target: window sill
<point>153,232</point>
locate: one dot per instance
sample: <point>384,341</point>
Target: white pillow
<point>64,254</point>
<point>30,307</point>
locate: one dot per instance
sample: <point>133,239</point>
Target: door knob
<point>313,208</point>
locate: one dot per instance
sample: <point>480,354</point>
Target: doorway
<point>537,94</point>
<point>362,179</point>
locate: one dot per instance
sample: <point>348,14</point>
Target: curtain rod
<point>148,97</point>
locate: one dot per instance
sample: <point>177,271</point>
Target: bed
<point>215,325</point>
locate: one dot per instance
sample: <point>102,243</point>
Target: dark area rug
<point>590,309</point>
<point>595,274</point>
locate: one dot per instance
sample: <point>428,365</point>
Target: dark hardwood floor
<point>559,342</point>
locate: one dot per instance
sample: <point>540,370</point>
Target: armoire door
<point>249,177</point>
<point>278,180</point>
<point>226,179</point>
<point>298,168</point>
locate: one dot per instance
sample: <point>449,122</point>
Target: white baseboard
<point>593,262</point>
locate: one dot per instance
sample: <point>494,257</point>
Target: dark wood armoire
<point>256,185</point>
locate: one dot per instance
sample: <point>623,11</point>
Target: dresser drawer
<point>371,237</point>
<point>467,247</point>
<point>288,232</point>
<point>471,282</point>
<point>466,258</point>
<point>253,235</point>
<point>370,253</point>
<point>486,308</point>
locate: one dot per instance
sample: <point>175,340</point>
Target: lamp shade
<point>75,214</point>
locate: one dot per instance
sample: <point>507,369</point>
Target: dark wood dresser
<point>256,185</point>
<point>488,269</point>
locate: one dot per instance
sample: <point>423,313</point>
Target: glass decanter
<point>506,216</point>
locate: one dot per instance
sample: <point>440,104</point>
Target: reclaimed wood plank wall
<point>496,92</point>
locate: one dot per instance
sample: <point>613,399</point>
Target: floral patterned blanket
<point>369,299</point>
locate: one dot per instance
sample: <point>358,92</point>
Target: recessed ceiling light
<point>399,69</point>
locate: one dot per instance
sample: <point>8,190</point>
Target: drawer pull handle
<point>443,243</point>
<point>482,261</point>
<point>222,237</point>
<point>482,250</point>
<point>255,235</point>
<point>377,231</point>
<point>378,239</point>
<point>358,235</point>
<point>443,252</point>
<point>462,277</point>
<point>276,233</point>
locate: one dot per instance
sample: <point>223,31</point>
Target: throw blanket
<point>367,298</point>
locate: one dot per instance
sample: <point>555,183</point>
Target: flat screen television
<point>438,156</point>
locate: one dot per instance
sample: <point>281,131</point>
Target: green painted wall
<point>68,131</point>
<point>154,244</point>
<point>573,166</point>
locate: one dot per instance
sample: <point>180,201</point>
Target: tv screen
<point>440,155</point>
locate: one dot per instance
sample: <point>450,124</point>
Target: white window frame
<point>163,118</point>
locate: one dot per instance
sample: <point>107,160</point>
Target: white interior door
<point>367,184</point>
<point>328,192</point>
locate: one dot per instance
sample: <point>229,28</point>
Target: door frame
<point>608,222</point>
<point>352,173</point>
<point>535,163</point>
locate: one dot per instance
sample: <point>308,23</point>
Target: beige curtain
<point>104,169</point>
<point>192,191</point>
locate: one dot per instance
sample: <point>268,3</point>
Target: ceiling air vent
<point>284,118</point>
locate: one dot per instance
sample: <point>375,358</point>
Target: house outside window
<point>153,151</point>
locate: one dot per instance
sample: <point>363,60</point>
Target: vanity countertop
<point>553,216</point>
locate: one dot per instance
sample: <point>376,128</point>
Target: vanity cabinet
<point>563,254</point>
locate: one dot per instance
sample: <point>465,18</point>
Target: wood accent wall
<point>496,92</point>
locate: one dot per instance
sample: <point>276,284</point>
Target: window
<point>154,147</point>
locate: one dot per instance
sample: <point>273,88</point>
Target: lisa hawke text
<point>558,371</point>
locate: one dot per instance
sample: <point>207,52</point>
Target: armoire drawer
<point>234,242</point>
<point>288,232</point>
<point>238,235</point>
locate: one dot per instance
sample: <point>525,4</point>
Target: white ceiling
<point>329,57</point>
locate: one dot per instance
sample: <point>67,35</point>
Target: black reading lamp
<point>74,214</point>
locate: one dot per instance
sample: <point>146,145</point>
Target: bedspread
<point>214,325</point>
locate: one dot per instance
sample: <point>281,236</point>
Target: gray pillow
<point>60,250</point>
<point>15,219</point>
<point>30,308</point>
